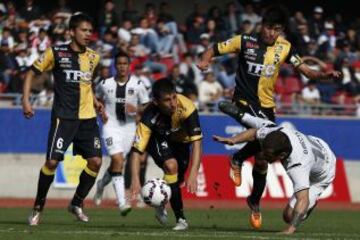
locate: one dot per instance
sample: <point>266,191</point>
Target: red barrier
<point>215,184</point>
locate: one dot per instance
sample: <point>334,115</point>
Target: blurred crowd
<point>161,46</point>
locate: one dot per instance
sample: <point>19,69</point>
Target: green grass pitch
<point>57,224</point>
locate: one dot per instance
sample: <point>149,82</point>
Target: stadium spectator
<point>251,15</point>
<point>295,21</point>
<point>316,22</point>
<point>181,82</point>
<point>327,40</point>
<point>62,8</point>
<point>210,92</point>
<point>7,63</point>
<point>129,13</point>
<point>310,97</point>
<point>216,35</point>
<point>108,17</point>
<point>7,39</point>
<point>124,33</point>
<point>30,11</point>
<point>215,14</point>
<point>233,17</point>
<point>195,30</point>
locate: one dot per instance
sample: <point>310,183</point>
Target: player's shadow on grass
<point>214,228</point>
<point>14,222</point>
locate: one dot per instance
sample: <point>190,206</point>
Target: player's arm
<point>297,62</point>
<point>26,105</point>
<point>135,173</point>
<point>233,45</point>
<point>191,182</point>
<point>98,105</point>
<point>313,74</point>
<point>246,136</point>
<point>44,63</point>
<point>192,125</point>
<point>142,136</point>
<point>300,209</point>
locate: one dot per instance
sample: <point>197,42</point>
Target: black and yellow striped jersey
<point>258,66</point>
<point>73,75</point>
<point>182,126</point>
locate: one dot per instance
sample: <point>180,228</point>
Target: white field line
<point>212,235</point>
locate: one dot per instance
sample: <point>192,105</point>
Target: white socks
<point>105,179</point>
<point>119,187</point>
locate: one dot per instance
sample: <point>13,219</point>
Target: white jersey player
<point>308,160</point>
<point>123,97</point>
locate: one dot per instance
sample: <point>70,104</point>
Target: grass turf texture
<point>58,224</point>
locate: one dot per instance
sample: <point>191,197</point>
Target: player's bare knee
<point>117,162</point>
<point>51,164</point>
<point>170,166</point>
<point>94,164</point>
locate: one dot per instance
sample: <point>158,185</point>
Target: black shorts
<point>254,147</point>
<point>255,111</point>
<point>84,134</point>
<point>162,150</point>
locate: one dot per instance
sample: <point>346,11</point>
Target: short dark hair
<point>277,142</point>
<point>161,87</point>
<point>121,54</point>
<point>78,18</point>
<point>276,14</point>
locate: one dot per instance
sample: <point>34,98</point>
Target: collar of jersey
<point>77,52</point>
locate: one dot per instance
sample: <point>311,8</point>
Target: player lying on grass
<point>308,160</point>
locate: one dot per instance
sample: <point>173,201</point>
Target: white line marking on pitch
<point>217,234</point>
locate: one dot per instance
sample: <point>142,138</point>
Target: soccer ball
<point>156,192</point>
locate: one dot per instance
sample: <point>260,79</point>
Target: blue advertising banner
<point>20,135</point>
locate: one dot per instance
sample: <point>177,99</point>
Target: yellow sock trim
<point>169,179</point>
<point>90,172</point>
<point>46,171</point>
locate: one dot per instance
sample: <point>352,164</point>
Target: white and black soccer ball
<point>156,192</point>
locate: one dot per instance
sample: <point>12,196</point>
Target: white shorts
<point>118,139</point>
<point>317,188</point>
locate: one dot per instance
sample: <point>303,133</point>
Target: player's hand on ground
<point>28,111</point>
<point>130,109</point>
<point>288,231</point>
<point>223,140</point>
<point>191,183</point>
<point>135,189</point>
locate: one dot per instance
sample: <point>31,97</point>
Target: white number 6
<point>60,143</point>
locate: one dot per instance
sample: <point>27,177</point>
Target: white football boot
<point>78,212</point>
<point>161,215</point>
<point>181,225</point>
<point>98,194</point>
<point>34,218</point>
